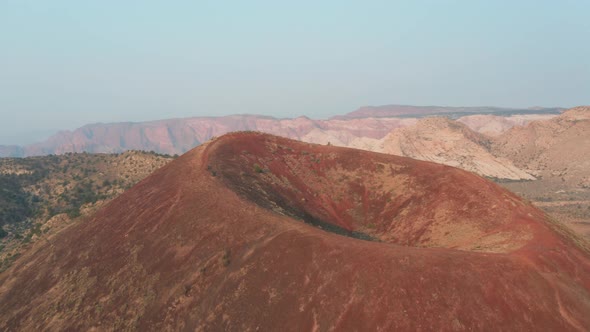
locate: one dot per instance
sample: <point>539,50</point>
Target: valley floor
<point>569,206</point>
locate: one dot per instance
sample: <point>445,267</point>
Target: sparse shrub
<point>36,229</point>
<point>187,289</point>
<point>74,213</point>
<point>258,169</point>
<point>226,258</point>
<point>210,169</point>
<point>98,308</point>
<point>27,239</point>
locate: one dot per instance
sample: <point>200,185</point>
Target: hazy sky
<point>67,63</point>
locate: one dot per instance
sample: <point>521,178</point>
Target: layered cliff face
<point>177,136</point>
<point>409,110</point>
<point>257,232</point>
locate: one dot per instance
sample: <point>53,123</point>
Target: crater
<point>371,196</point>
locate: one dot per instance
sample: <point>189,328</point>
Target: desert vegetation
<point>564,202</point>
<point>43,194</point>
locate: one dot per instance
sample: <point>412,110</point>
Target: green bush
<point>258,169</point>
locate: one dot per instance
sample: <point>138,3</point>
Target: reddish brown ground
<point>221,239</point>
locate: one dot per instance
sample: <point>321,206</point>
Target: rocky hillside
<point>557,151</point>
<point>494,125</point>
<point>558,148</point>
<point>40,195</point>
<point>553,148</point>
<point>449,142</point>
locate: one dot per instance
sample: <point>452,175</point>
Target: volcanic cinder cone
<point>256,232</point>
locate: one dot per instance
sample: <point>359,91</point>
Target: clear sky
<point>67,63</point>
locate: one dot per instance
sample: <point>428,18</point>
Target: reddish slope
<point>381,195</point>
<point>196,246</point>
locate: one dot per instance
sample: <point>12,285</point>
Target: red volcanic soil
<point>256,232</point>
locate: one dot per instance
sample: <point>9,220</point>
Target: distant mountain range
<point>176,136</point>
<point>421,111</point>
